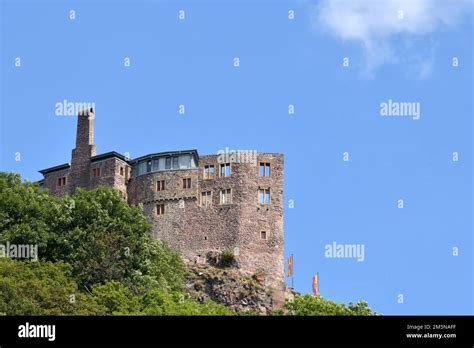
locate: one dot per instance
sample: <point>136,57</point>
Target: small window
<point>141,167</point>
<point>168,163</point>
<point>121,171</point>
<point>148,166</point>
<point>158,164</point>
<point>225,169</point>
<point>264,196</point>
<point>187,183</point>
<point>225,197</point>
<point>206,199</point>
<point>160,209</point>
<point>264,169</point>
<point>161,163</point>
<point>263,235</point>
<point>96,171</point>
<point>175,164</point>
<point>160,185</point>
<point>61,181</point>
<point>209,171</point>
<point>184,161</point>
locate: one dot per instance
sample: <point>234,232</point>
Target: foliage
<point>97,232</point>
<point>227,257</point>
<point>160,303</point>
<point>317,305</point>
<point>119,300</point>
<point>46,288</point>
<point>41,288</point>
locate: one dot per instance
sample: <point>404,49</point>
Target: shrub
<point>227,258</point>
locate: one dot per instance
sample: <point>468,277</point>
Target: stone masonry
<point>199,205</point>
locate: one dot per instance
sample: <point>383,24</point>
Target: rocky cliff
<point>228,286</point>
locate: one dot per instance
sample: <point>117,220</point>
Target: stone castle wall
<point>51,183</point>
<point>113,173</point>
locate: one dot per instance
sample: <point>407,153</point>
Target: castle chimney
<point>85,149</point>
<point>85,129</point>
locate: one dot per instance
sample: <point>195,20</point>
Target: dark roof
<point>110,154</point>
<point>55,169</point>
<point>166,154</point>
<point>113,154</point>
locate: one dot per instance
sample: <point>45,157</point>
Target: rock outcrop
<point>229,286</point>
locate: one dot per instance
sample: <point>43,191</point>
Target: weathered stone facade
<point>197,204</point>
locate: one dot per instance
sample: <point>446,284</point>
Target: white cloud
<point>374,23</point>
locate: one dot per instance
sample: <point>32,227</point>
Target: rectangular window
<point>225,197</point>
<point>184,162</point>
<point>264,196</point>
<point>206,199</point>
<point>148,166</point>
<point>168,163</point>
<point>142,168</point>
<point>193,162</point>
<point>160,185</point>
<point>161,163</point>
<point>96,171</point>
<point>156,164</point>
<point>263,235</point>
<point>61,181</point>
<point>209,172</point>
<point>225,169</point>
<point>264,169</point>
<point>175,164</point>
<point>121,171</point>
<point>187,183</point>
<point>160,209</point>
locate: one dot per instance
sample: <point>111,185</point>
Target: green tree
<point>156,302</point>
<point>317,305</point>
<point>29,215</point>
<point>97,232</point>
<point>42,288</point>
<point>116,298</point>
<point>119,300</point>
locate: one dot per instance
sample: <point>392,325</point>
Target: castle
<point>196,204</point>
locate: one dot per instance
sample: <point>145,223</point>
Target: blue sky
<point>400,56</point>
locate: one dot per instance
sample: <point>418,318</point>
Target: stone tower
<point>85,149</point>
